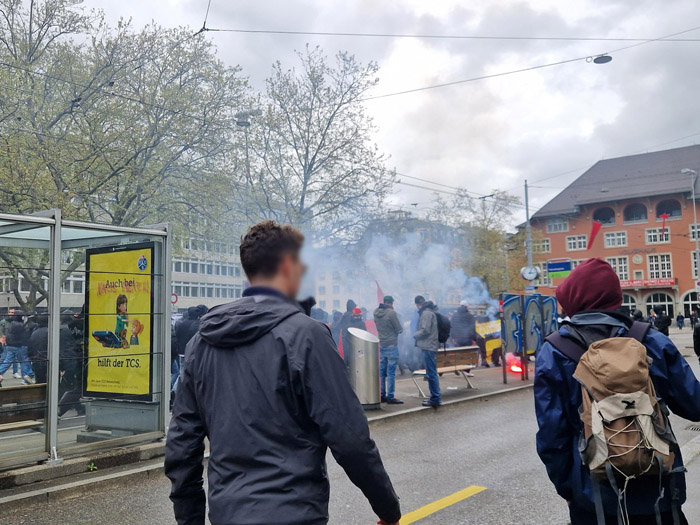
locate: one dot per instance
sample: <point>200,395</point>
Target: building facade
<point>644,204</point>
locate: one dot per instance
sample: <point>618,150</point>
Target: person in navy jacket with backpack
<point>591,295</point>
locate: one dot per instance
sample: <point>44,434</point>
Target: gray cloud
<point>496,132</point>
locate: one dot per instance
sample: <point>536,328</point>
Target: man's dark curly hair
<point>264,246</point>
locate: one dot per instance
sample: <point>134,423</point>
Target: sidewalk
<point>453,388</point>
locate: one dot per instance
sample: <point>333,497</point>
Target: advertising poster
<point>119,303</point>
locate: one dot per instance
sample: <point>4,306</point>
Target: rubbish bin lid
<point>362,334</point>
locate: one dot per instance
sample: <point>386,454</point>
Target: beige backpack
<point>626,431</point>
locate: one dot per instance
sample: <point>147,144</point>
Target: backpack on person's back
<point>444,327</point>
<point>626,431</point>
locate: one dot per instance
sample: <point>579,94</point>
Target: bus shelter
<point>86,323</point>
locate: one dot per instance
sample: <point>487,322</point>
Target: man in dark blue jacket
<point>265,384</point>
<point>591,295</point>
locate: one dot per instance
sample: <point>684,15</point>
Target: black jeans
<point>579,517</point>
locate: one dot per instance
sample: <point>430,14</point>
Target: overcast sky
<point>492,133</point>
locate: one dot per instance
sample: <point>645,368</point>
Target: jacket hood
<point>429,305</point>
<point>244,321</point>
<point>350,305</point>
<point>381,311</point>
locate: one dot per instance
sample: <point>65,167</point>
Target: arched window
<point>629,302</point>
<point>635,213</point>
<point>671,207</point>
<point>691,303</point>
<point>663,300</point>
<point>604,215</point>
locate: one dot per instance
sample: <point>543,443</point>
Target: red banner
<point>594,232</point>
<point>641,283</point>
<point>380,294</point>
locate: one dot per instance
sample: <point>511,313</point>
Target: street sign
<point>531,288</point>
<point>173,298</point>
<point>558,268</point>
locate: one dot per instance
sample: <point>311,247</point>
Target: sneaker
<point>29,380</point>
<point>394,401</point>
<point>17,375</point>
<point>429,403</point>
<point>384,399</point>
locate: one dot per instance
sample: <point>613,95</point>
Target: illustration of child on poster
<point>122,320</point>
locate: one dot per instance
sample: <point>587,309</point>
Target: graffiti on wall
<point>527,320</point>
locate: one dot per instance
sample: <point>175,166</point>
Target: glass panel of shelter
<point>112,360</point>
<point>24,296</point>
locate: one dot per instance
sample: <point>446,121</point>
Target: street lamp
<point>243,121</point>
<point>696,263</point>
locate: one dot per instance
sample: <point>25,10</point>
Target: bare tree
<point>312,161</point>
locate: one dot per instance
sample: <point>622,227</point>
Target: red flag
<point>594,232</point>
<point>380,294</point>
<point>664,216</point>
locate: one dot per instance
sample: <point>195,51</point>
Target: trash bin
<point>363,361</point>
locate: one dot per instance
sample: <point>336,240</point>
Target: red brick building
<point>629,196</point>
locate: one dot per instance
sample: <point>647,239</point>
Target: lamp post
<point>243,121</point>
<point>696,263</point>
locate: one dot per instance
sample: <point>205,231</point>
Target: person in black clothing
<point>463,332</point>
<point>663,321</point>
<point>696,340</point>
<point>265,385</point>
<point>38,348</point>
<point>70,368</point>
<point>335,326</point>
<point>185,328</point>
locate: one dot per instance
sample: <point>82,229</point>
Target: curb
<point>65,491</point>
<point>385,418</point>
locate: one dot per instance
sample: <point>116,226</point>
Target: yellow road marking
<point>435,506</point>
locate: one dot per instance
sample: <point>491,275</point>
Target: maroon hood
<point>593,285</point>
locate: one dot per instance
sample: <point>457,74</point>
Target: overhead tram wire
<point>356,34</point>
<point>206,17</point>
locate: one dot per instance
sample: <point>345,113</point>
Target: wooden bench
<point>22,407</point>
<point>460,360</point>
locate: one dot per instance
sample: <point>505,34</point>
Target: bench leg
<point>422,394</point>
<point>466,376</point>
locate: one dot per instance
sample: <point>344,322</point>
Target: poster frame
<point>150,245</point>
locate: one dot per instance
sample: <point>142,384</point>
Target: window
<point>691,303</point>
<point>654,236</point>
<point>638,275</point>
<point>557,225</point>
<point>336,288</point>
<point>322,276</point>
<point>544,279</point>
<point>177,266</point>
<point>322,305</point>
<point>629,302</point>
<point>543,246</point>
<point>660,266</point>
<point>621,267</point>
<point>576,262</point>
<point>615,239</point>
<point>74,284</point>
<point>321,290</point>
<point>670,207</point>
<point>694,263</point>
<point>663,300</point>
<point>635,213</point>
<point>576,243</point>
<point>336,304</point>
<point>694,231</point>
<point>606,216</point>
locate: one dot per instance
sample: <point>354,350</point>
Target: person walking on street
<point>427,340</point>
<point>388,329</point>
<point>264,384</point>
<point>463,326</point>
<point>696,340</point>
<point>592,295</point>
<point>663,321</point>
<point>17,337</point>
<point>680,321</point>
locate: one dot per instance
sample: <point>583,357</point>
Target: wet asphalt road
<point>429,456</point>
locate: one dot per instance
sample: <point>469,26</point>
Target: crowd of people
<point>25,341</point>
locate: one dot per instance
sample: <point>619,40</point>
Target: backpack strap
<point>566,346</point>
<point>639,331</point>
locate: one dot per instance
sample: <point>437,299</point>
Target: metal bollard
<point>363,354</point>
